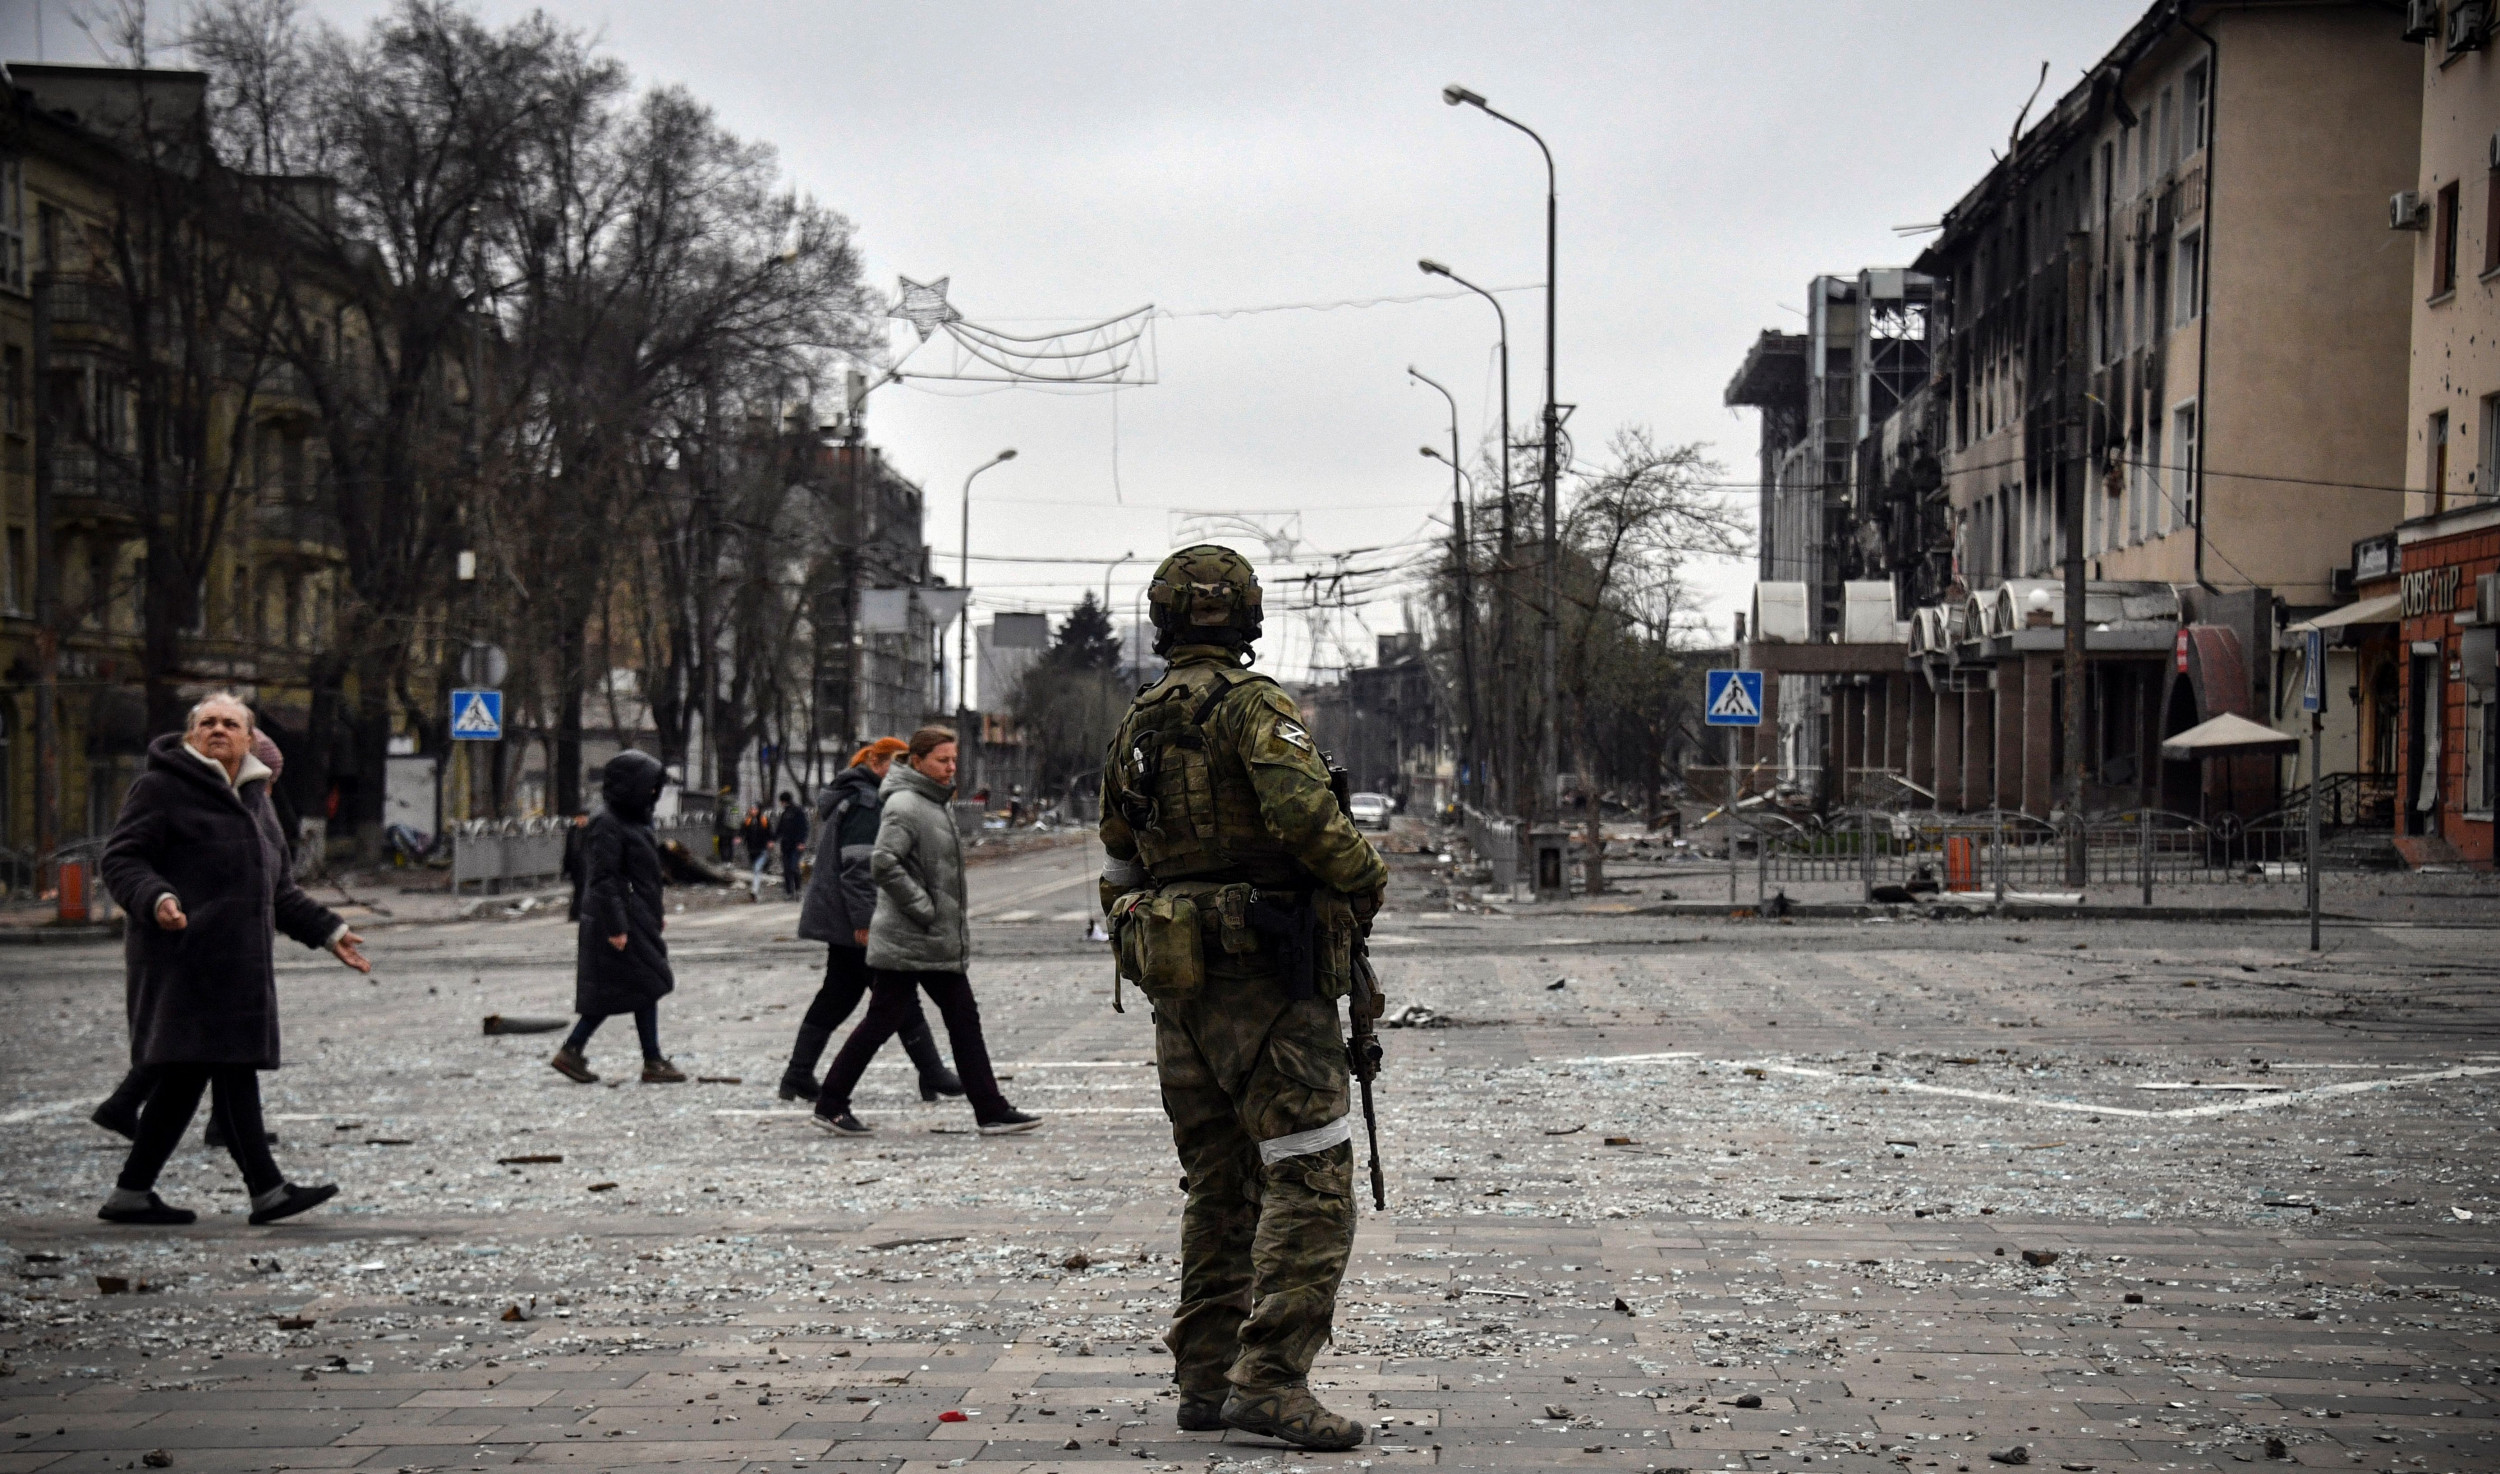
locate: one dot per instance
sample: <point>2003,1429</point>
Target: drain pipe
<point>2204,270</point>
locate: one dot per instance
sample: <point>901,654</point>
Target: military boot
<point>1201,1413</point>
<point>1292,1414</point>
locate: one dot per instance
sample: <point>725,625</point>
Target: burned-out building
<point>2168,308</point>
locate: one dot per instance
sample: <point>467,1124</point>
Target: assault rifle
<point>1363,1053</point>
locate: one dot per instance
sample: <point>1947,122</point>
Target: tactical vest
<point>1186,795</point>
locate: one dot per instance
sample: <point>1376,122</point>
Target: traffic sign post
<point>1733,699</point>
<point>476,716</point>
<point>2313,701</point>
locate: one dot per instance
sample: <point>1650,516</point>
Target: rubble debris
<point>2040,1258</point>
<point>111,1284</point>
<point>1076,1260</point>
<point>530,1159</point>
<point>603,1187</point>
<point>296,1322</point>
<point>157,1458</point>
<point>682,866</point>
<point>498,1023</point>
<point>2018,1454</point>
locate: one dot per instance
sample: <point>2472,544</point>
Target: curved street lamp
<point>1549,779</point>
<point>963,577</point>
<point>1464,558</point>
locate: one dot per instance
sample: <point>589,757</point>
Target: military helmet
<point>1205,594</point>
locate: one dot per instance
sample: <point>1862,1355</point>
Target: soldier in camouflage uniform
<point>1217,817</point>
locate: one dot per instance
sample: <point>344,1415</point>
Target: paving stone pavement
<point>1665,1194</point>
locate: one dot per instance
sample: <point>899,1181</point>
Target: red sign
<point>2180,650</point>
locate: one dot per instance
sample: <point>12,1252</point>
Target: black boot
<point>799,1081</point>
<point>935,1078</point>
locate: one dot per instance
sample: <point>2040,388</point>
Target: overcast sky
<point>1070,161</point>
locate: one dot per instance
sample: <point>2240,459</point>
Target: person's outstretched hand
<point>169,915</point>
<point>345,950</point>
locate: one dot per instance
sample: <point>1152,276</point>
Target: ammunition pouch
<point>1156,936</point>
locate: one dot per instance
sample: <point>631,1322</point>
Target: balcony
<point>86,487</point>
<point>309,527</point>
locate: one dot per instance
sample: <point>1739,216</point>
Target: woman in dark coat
<point>621,965</point>
<point>199,866</point>
<point>841,900</point>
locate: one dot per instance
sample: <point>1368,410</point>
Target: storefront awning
<point>2227,736</point>
<point>2382,609</point>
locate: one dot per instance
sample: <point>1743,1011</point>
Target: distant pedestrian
<point>197,837</point>
<point>725,827</point>
<point>919,940</point>
<point>756,833</point>
<point>621,965</point>
<point>841,901</point>
<point>790,831</point>
<point>570,870</point>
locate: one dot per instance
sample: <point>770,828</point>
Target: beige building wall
<point>2315,123</point>
<point>2455,367</point>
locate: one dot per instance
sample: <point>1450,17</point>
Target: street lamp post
<point>963,567</point>
<point>1464,556</point>
<point>1505,737</point>
<point>1549,756</point>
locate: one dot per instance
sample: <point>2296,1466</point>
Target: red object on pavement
<point>950,1416</point>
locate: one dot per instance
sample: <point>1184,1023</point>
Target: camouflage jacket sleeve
<point>1292,784</point>
<point>1120,871</point>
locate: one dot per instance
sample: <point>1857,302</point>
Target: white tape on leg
<point>1303,1143</point>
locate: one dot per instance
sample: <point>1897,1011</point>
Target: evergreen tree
<point>1085,640</point>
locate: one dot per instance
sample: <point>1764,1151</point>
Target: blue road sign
<point>477,716</point>
<point>2313,672</point>
<point>1735,699</point>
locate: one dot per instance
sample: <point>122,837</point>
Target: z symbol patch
<point>1294,734</point>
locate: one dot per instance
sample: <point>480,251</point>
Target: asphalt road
<point>1639,1169</point>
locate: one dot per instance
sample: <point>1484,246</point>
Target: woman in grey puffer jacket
<point>919,939</point>
<point>841,901</point>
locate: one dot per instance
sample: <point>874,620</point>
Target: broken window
<point>2435,462</point>
<point>2491,220</point>
<point>2191,275</point>
<point>2186,512</point>
<point>2486,475</point>
<point>2444,242</point>
<point>2196,109</point>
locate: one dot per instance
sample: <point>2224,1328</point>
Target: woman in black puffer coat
<point>621,965</point>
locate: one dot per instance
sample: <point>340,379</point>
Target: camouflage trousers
<point>1265,1234</point>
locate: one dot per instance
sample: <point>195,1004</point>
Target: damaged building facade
<point>2169,316</point>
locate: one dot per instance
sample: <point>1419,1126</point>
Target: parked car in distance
<point>1369,810</point>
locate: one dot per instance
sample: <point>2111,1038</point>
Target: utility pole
<point>47,597</point>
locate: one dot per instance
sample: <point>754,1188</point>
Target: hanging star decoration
<point>924,306</point>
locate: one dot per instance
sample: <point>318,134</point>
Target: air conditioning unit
<point>2469,24</point>
<point>2405,211</point>
<point>2421,19</point>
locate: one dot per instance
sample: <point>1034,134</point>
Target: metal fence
<point>2012,852</point>
<point>496,854</point>
<point>1499,841</point>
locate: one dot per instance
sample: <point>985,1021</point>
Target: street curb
<point>51,933</point>
<point>1977,908</point>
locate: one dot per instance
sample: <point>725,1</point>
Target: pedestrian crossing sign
<point>477,716</point>
<point>1734,699</point>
